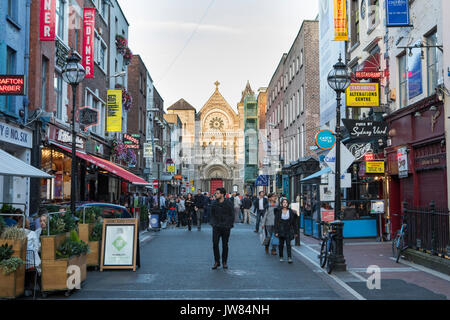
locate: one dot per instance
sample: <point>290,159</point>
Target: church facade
<point>217,153</point>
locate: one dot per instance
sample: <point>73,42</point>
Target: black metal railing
<point>427,228</point>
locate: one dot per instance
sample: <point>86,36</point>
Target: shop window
<point>403,79</point>
<point>432,63</point>
<point>60,166</point>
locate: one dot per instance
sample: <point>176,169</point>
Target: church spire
<point>247,91</point>
<point>217,84</point>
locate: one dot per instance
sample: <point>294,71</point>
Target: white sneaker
<point>281,260</point>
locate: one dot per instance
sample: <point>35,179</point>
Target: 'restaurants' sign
<point>365,130</point>
<point>114,111</point>
<point>47,20</point>
<point>340,20</point>
<point>375,167</point>
<point>363,95</point>
<point>12,85</point>
<point>88,41</point>
<point>368,74</point>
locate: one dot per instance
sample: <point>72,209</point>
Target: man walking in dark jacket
<point>199,203</point>
<point>260,206</point>
<point>222,218</point>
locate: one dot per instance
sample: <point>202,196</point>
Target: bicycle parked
<point>399,241</point>
<point>328,248</point>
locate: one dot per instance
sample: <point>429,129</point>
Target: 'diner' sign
<point>363,95</point>
<point>325,139</point>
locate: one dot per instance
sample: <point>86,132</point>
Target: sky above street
<point>188,45</point>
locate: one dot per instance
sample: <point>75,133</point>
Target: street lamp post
<point>73,73</point>
<point>339,80</point>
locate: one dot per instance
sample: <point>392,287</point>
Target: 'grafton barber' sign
<point>365,130</point>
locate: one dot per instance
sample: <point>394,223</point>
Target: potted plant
<point>143,218</point>
<point>12,273</point>
<point>17,238</point>
<point>88,232</point>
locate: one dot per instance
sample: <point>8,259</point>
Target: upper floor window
<point>354,31</point>
<point>59,21</point>
<point>12,9</point>
<point>403,81</point>
<point>432,63</point>
<point>58,87</point>
<point>374,14</point>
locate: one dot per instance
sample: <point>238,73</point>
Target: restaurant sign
<point>363,95</point>
<point>375,167</point>
<point>365,130</point>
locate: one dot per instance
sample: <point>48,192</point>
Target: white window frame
<point>95,102</point>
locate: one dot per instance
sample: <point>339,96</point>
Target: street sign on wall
<point>397,13</point>
<point>375,167</point>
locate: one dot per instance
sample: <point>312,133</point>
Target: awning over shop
<point>108,166</point>
<point>317,174</point>
<point>12,166</point>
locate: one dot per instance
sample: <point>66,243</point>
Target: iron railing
<point>427,228</point>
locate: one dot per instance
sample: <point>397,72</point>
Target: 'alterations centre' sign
<point>363,95</point>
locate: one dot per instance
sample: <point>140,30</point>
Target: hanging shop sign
<point>360,150</point>
<point>12,85</point>
<point>325,139</point>
<point>365,130</point>
<point>148,150</point>
<point>15,135</point>
<point>88,41</point>
<point>402,158</point>
<point>340,20</point>
<point>397,13</point>
<point>375,167</point>
<point>88,117</point>
<point>61,52</point>
<point>178,177</point>
<point>171,168</point>
<point>47,20</point>
<point>119,244</point>
<point>262,181</point>
<point>363,95</point>
<point>368,74</point>
<point>114,111</point>
<point>131,141</point>
<point>65,137</point>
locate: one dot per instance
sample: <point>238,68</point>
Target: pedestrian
<point>237,207</point>
<point>268,222</point>
<point>172,206</point>
<point>260,206</point>
<point>246,205</point>
<point>207,208</point>
<point>189,204</point>
<point>181,211</point>
<point>199,202</point>
<point>222,217</point>
<point>285,228</point>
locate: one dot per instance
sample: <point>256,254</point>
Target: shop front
<point>18,142</point>
<point>416,158</point>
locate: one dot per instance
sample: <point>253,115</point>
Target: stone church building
<point>213,142</point>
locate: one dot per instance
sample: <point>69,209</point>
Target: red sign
<point>47,20</point>
<point>88,41</point>
<point>12,85</point>
<point>178,177</point>
<point>368,74</point>
<point>328,216</point>
<point>369,157</point>
<point>155,183</point>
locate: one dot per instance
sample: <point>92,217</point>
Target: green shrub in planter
<point>72,246</point>
<point>2,224</point>
<point>6,208</point>
<point>96,232</point>
<point>8,263</point>
<point>13,233</point>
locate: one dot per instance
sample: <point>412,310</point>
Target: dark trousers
<point>288,247</point>
<point>224,233</point>
<point>259,215</point>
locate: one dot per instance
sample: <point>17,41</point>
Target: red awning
<point>108,166</point>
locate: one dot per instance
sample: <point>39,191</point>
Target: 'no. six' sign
<point>325,139</point>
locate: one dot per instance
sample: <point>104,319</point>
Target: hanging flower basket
<point>127,99</point>
<point>121,44</point>
<point>128,55</point>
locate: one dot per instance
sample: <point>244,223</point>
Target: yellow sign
<point>114,111</point>
<point>363,95</point>
<point>193,188</point>
<point>375,167</point>
<point>171,168</point>
<point>340,20</point>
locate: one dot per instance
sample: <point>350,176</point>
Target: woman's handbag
<point>266,242</point>
<point>274,240</point>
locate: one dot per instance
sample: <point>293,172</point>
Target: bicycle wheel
<point>400,248</point>
<point>323,253</point>
<point>394,245</point>
<point>330,256</point>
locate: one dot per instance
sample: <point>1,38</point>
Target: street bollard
<point>339,260</point>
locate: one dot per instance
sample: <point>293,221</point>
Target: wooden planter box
<point>93,257</point>
<point>12,285</point>
<point>49,244</point>
<point>19,247</point>
<point>54,272</point>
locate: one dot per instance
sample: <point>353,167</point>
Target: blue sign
<point>415,74</point>
<point>397,13</point>
<point>326,139</point>
<point>262,181</point>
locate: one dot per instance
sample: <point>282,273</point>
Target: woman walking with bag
<point>268,223</point>
<point>285,228</point>
<point>181,211</point>
<point>189,204</point>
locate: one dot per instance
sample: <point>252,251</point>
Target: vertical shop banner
<point>340,20</point>
<point>397,13</point>
<point>47,20</point>
<point>88,41</point>
<point>114,111</point>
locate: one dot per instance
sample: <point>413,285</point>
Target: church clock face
<point>216,123</point>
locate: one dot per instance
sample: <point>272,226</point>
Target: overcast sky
<point>188,45</point>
